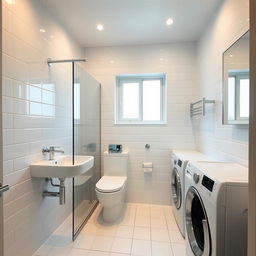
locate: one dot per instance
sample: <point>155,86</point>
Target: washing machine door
<point>197,226</point>
<point>176,188</point>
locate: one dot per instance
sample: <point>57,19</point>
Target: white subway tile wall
<point>224,142</point>
<point>36,113</point>
<point>178,61</point>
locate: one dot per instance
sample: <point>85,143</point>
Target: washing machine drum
<point>176,188</point>
<point>197,226</point>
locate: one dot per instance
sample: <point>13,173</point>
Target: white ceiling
<point>131,22</point>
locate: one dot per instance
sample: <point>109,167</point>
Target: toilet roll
<point>147,167</point>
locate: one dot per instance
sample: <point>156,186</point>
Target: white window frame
<point>120,79</point>
<point>238,75</point>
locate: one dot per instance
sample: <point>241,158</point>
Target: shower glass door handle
<point>3,189</point>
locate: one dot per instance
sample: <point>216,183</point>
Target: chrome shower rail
<point>50,61</point>
<point>198,108</point>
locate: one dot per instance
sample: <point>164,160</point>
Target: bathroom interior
<point>125,128</point>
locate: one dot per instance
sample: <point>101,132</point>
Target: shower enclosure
<point>81,98</point>
<point>86,141</point>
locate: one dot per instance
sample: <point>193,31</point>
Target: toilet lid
<point>110,183</point>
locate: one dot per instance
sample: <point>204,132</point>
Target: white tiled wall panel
<point>36,113</point>
<point>221,141</point>
<point>178,61</point>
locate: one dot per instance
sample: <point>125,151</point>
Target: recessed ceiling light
<point>169,21</point>
<point>100,27</point>
<point>42,30</point>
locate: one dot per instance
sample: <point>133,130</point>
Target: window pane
<point>231,98</point>
<point>152,100</point>
<point>130,100</point>
<point>77,101</point>
<point>244,97</point>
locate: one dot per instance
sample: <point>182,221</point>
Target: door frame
<point>252,135</point>
<point>1,145</point>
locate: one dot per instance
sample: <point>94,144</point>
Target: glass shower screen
<point>86,141</point>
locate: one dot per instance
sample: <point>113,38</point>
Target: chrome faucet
<point>52,150</point>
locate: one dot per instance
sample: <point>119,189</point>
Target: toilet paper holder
<point>147,167</point>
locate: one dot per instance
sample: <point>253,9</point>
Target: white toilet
<point>111,188</point>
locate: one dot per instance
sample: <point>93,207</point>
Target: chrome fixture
<point>52,150</point>
<point>147,146</point>
<point>3,189</point>
<point>61,194</point>
<point>50,61</point>
<point>198,108</point>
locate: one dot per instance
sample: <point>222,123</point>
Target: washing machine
<point>179,160</point>
<point>216,209</point>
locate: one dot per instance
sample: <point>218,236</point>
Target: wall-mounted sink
<point>62,167</point>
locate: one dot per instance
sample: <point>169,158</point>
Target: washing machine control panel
<point>208,183</point>
<point>196,177</point>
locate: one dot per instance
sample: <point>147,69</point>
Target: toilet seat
<point>109,184</point>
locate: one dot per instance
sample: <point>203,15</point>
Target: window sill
<point>238,122</point>
<point>141,123</point>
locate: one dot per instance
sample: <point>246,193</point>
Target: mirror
<point>236,82</point>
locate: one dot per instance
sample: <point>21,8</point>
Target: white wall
<point>220,141</point>
<point>29,123</point>
<point>178,61</point>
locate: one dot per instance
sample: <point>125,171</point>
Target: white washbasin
<point>62,167</point>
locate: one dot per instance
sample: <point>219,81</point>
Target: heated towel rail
<point>198,108</point>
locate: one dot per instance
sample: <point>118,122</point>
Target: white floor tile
<point>59,251</point>
<point>95,214</point>
<point>141,233</point>
<point>172,225</point>
<point>118,254</point>
<point>141,221</point>
<point>107,230</point>
<point>102,243</point>
<point>142,230</point>
<point>176,237</point>
<point>143,208</point>
<point>125,231</point>
<point>158,223</point>
<point>156,211</point>
<point>178,249</point>
<point>141,248</point>
<point>122,245</point>
<point>60,240</point>
<point>161,249</point>
<point>161,235</point>
<point>90,228</point>
<point>78,252</point>
<point>44,250</point>
<point>84,241</point>
<point>98,253</point>
<point>128,216</point>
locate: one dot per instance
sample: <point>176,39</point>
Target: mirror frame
<point>225,120</point>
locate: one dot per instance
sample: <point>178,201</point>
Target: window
<point>77,102</point>
<point>141,99</point>
<point>41,99</point>
<point>238,95</point>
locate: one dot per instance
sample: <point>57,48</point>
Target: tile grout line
<point>136,207</point>
<point>150,229</point>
